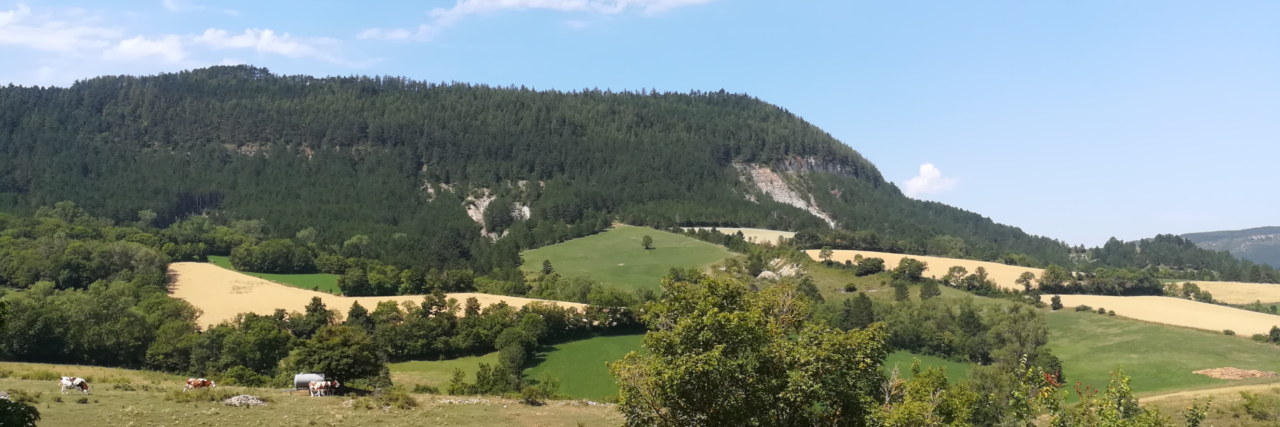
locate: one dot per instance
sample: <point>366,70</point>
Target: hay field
<point>756,235</point>
<point>1239,293</point>
<point>222,294</point>
<point>1003,275</point>
<point>1178,312</point>
<point>146,401</point>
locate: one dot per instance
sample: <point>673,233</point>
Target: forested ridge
<point>387,156</point>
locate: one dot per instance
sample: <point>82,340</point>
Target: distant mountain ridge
<point>1260,245</point>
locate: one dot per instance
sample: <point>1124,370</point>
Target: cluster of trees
<point>772,364</point>
<point>1174,257</point>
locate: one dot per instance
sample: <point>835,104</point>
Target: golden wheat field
<point>1240,293</point>
<point>1177,312</point>
<point>221,294</point>
<point>756,235</point>
<point>1003,275</point>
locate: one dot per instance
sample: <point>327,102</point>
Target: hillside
<point>424,168</point>
<point>1260,245</point>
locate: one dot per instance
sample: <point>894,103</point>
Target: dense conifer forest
<point>389,166</point>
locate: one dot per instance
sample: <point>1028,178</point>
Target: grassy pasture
<point>147,399</point>
<point>325,282</point>
<point>582,366</point>
<point>616,257</point>
<point>1159,358</point>
<point>437,373</point>
<point>956,371</point>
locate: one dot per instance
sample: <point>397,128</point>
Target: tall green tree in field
<point>722,355</point>
<point>647,242</point>
<point>825,254</point>
<point>1026,280</point>
<point>929,289</point>
<point>857,312</point>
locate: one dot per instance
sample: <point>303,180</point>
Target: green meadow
<point>437,373</point>
<point>1158,358</point>
<point>582,366</point>
<point>617,258</point>
<point>903,360</point>
<point>323,282</point>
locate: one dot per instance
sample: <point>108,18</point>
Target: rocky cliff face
<point>780,185</point>
<point>1260,245</point>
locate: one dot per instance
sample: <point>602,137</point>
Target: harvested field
<point>757,235</point>
<point>1230,373</point>
<point>222,294</point>
<point>1003,275</point>
<point>1177,312</point>
<point>1240,293</point>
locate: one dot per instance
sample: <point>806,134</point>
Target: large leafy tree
<point>722,355</point>
<point>340,352</point>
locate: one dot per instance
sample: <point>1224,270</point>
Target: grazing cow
<point>74,383</point>
<point>322,388</point>
<point>198,383</point>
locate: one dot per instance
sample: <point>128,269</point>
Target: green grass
<point>325,282</point>
<point>437,373</point>
<point>956,371</point>
<point>1158,358</point>
<point>581,365</point>
<point>617,258</point>
<point>831,280</point>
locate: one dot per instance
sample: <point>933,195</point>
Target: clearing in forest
<point>221,294</point>
<point>617,258</point>
<point>1178,312</point>
<point>437,373</point>
<point>755,235</point>
<point>1003,275</point>
<point>1158,358</point>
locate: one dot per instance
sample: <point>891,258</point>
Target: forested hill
<point>401,160</point>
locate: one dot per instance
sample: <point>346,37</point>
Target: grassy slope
<point>109,405</point>
<point>1159,358</point>
<point>616,257</point>
<point>956,371</point>
<point>581,365</point>
<point>437,373</point>
<point>325,282</point>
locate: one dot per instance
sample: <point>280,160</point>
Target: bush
<point>1083,307</point>
<point>847,288</point>
<point>82,400</point>
<point>199,395</point>
<point>1228,332</point>
<point>545,389</point>
<point>395,397</point>
<point>24,396</point>
<point>1111,313</point>
<point>18,414</point>
<point>1056,303</point>
<point>242,376</point>
<point>1102,310</point>
<point>1260,407</point>
<point>5,373</point>
<point>425,389</point>
<point>57,399</point>
<point>1259,338</point>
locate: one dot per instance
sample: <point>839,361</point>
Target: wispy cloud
<point>187,5</point>
<point>268,41</point>
<point>19,27</point>
<point>447,17</point>
<point>930,181</point>
<point>167,47</point>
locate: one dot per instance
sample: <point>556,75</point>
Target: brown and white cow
<point>198,383</point>
<point>322,388</point>
<point>74,383</point>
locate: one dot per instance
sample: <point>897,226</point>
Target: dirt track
<point>1003,275</point>
<point>1178,312</point>
<point>222,294</point>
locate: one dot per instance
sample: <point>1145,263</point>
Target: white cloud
<point>423,33</point>
<point>167,47</point>
<point>172,5</point>
<point>930,181</point>
<point>448,17</point>
<point>185,5</point>
<point>267,41</point>
<point>19,27</point>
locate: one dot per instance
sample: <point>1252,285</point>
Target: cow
<point>198,383</point>
<point>74,383</point>
<point>322,388</point>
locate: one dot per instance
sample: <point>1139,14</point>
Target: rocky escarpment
<point>775,185</point>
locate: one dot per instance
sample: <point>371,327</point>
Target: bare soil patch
<point>1230,373</point>
<point>221,294</point>
<point>1177,312</point>
<point>1004,276</point>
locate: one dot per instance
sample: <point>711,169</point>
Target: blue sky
<point>1077,120</point>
